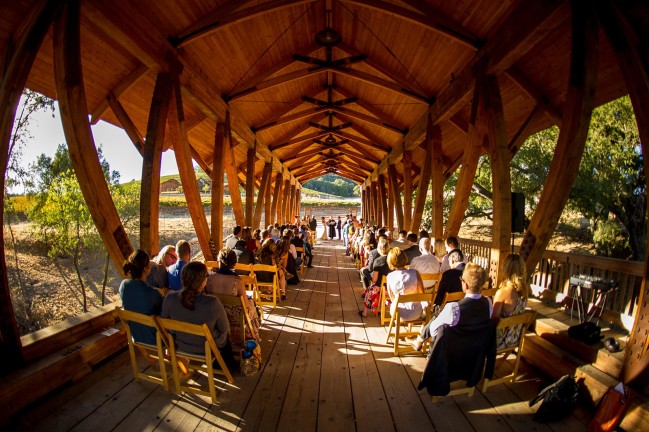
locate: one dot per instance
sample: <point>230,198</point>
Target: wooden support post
<point>15,70</point>
<point>407,190</point>
<point>424,179</point>
<point>469,161</point>
<point>274,208</point>
<point>572,136</point>
<point>390,219</point>
<point>221,149</point>
<point>368,204</point>
<point>501,180</point>
<point>298,200</point>
<point>290,212</point>
<point>126,122</point>
<point>233,175</point>
<point>261,195</point>
<point>383,196</point>
<point>363,205</point>
<point>187,173</point>
<point>632,61</point>
<point>68,76</point>
<point>151,163</point>
<point>396,195</point>
<point>437,183</point>
<point>267,198</point>
<point>286,195</point>
<point>250,186</point>
<point>378,210</point>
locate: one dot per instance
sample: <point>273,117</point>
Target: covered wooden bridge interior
<point>393,94</point>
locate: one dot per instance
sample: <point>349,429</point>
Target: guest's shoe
<point>283,297</point>
<point>417,343</point>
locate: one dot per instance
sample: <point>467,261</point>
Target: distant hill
<point>333,184</point>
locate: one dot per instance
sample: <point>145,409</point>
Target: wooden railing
<point>555,269</point>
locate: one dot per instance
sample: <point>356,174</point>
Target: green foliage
<point>609,189</point>
<point>335,185</point>
<point>610,240</point>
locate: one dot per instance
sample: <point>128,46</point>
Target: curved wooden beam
<point>432,18</point>
<point>83,152</point>
<point>228,15</point>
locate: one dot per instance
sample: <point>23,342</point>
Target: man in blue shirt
<point>184,251</point>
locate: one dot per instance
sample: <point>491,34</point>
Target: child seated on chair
<point>191,306</point>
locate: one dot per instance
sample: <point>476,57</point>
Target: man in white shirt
<point>472,308</point>
<point>426,263</point>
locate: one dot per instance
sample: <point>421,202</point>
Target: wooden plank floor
<point>325,368</point>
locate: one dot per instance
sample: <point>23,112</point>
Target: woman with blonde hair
<point>439,249</point>
<point>511,298</point>
<point>402,281</point>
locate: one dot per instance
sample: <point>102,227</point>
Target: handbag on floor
<point>559,399</point>
<point>611,410</point>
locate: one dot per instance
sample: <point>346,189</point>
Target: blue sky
<point>118,149</point>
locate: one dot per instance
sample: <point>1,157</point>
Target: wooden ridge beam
<point>129,81</point>
<point>229,15</point>
<point>572,135</point>
<point>527,25</point>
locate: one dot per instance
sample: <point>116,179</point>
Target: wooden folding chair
<point>489,292</point>
<point>302,268</point>
<point>452,297</point>
<point>240,302</point>
<point>267,290</point>
<point>214,265</point>
<point>194,362</point>
<point>154,354</point>
<point>524,321</point>
<point>395,320</point>
<point>431,277</point>
<point>385,311</point>
<point>244,268</point>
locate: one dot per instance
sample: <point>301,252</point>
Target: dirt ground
<point>46,291</point>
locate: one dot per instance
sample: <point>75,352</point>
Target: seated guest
<point>450,281</point>
<point>139,297</point>
<point>243,255</point>
<point>426,263</point>
<point>511,299</point>
<point>246,236</point>
<point>191,306</point>
<point>225,281</point>
<point>366,273</point>
<point>231,240</point>
<point>439,250</point>
<point>297,242</point>
<point>287,258</point>
<point>158,275</point>
<point>463,346</point>
<point>413,247</point>
<point>401,242</point>
<point>423,233</point>
<point>402,281</point>
<point>451,245</point>
<point>379,269</point>
<point>268,256</point>
<point>184,251</point>
<point>471,310</point>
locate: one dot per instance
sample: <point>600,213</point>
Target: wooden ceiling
<point>349,108</point>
